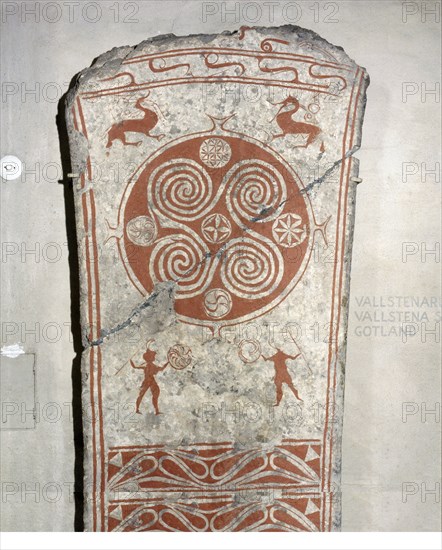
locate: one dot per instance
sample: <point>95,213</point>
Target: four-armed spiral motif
<point>224,219</point>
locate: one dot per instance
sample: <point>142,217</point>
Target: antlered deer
<point>137,125</point>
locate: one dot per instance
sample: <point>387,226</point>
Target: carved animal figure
<point>285,121</point>
<point>138,125</point>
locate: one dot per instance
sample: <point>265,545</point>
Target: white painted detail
<point>311,454</point>
<point>311,508</point>
<point>10,167</point>
<point>12,351</point>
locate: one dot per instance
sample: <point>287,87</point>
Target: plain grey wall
<point>391,452</point>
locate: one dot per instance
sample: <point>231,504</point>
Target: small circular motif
<point>141,230</point>
<point>217,303</point>
<point>249,351</point>
<point>288,230</point>
<point>314,108</point>
<point>216,228</point>
<point>215,152</point>
<point>179,357</point>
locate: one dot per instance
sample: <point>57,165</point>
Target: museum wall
<point>391,449</point>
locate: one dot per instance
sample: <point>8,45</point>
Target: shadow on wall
<point>75,312</point>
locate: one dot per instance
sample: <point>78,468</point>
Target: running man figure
<point>149,382</point>
<point>282,375</point>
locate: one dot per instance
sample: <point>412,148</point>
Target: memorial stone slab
<point>215,183</point>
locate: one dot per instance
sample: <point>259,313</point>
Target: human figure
<point>282,375</point>
<point>149,382</point>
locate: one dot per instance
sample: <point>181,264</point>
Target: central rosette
<point>223,218</point>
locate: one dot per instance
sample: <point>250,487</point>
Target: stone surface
<point>215,190</point>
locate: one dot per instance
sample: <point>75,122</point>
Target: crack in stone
<point>319,180</point>
<point>167,286</point>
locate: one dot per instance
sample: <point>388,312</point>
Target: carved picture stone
<point>215,185</point>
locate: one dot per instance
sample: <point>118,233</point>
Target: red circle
<point>179,212</point>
